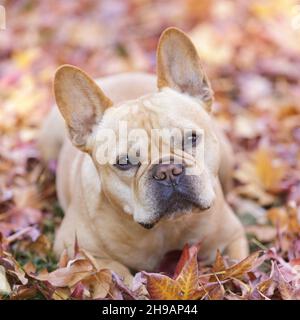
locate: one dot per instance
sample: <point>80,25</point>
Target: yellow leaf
<point>269,171</point>
<point>271,8</point>
<point>239,269</point>
<point>161,287</point>
<point>188,278</point>
<point>24,58</point>
<point>61,294</point>
<point>99,283</point>
<point>184,287</point>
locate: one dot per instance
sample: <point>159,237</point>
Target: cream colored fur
<point>103,205</point>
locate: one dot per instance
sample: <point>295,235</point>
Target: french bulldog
<point>128,212</point>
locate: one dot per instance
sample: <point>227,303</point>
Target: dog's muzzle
<point>174,190</point>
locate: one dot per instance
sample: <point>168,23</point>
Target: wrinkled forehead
<point>149,128</point>
<point>164,109</point>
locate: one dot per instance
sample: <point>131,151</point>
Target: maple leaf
<point>219,264</point>
<point>188,278</point>
<point>187,253</point>
<point>161,287</point>
<point>238,270</point>
<point>184,286</point>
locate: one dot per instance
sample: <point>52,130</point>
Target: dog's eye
<point>191,140</point>
<point>123,163</point>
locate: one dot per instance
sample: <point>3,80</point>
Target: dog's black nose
<point>168,174</point>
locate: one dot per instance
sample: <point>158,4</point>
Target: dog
<point>126,214</point>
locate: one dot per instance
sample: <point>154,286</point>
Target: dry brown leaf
<point>217,293</point>
<point>4,285</point>
<point>240,269</point>
<point>98,283</point>
<point>75,271</point>
<point>219,264</point>
<point>41,246</point>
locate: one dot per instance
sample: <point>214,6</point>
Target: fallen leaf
<point>161,287</point>
<point>98,283</point>
<point>4,285</point>
<point>238,270</point>
<point>75,271</point>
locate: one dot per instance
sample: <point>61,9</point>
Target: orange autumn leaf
<point>219,264</point>
<point>186,255</point>
<point>218,267</point>
<point>293,222</point>
<point>161,287</point>
<point>236,271</point>
<point>188,278</point>
<point>261,176</point>
<point>278,216</point>
<point>184,287</point>
<point>241,268</point>
<point>269,171</point>
<point>285,218</point>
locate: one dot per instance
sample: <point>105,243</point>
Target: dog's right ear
<point>179,67</point>
<point>80,101</point>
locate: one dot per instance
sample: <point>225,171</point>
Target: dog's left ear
<point>178,66</point>
<point>81,103</point>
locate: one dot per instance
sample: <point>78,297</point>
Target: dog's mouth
<point>147,226</point>
<point>179,202</point>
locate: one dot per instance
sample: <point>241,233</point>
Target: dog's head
<point>140,175</point>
